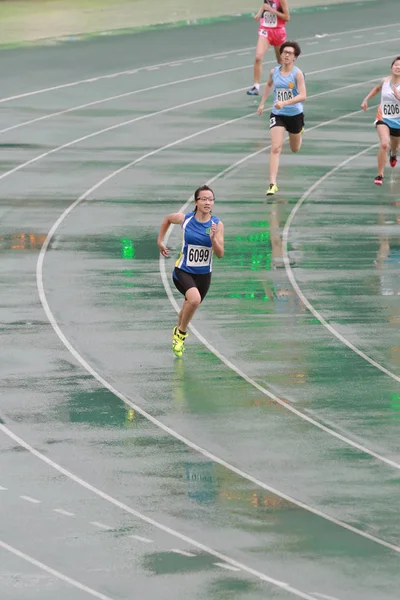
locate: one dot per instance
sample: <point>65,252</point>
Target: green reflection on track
<point>127,249</point>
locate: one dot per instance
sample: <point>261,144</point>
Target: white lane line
<point>132,71</point>
<point>3,489</point>
<point>183,552</point>
<point>243,375</point>
<point>54,573</point>
<point>189,79</point>
<point>66,513</point>
<point>124,507</point>
<point>199,60</point>
<point>140,538</point>
<point>324,596</point>
<point>303,298</point>
<point>87,366</point>
<point>31,500</point>
<point>101,526</point>
<point>176,82</point>
<point>227,567</point>
<point>159,112</point>
<point>311,43</point>
<point>179,64</point>
<point>152,68</point>
<point>357,37</point>
<point>335,40</point>
<point>244,53</point>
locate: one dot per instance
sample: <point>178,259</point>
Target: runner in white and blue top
<point>388,118</point>
<point>289,89</point>
<point>203,236</point>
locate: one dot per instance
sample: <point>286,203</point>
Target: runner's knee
<point>193,297</point>
<point>276,148</point>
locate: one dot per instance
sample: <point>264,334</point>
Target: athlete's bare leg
<point>190,305</point>
<point>261,48</point>
<point>277,137</point>
<point>277,54</point>
<point>394,144</point>
<point>384,138</point>
<point>295,141</point>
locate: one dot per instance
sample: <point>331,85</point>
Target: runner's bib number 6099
<point>198,256</point>
<point>391,109</point>
<point>283,94</point>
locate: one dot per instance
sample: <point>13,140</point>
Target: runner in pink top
<point>273,16</point>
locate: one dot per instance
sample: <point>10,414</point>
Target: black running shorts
<point>183,281</point>
<point>393,132</point>
<point>292,124</point>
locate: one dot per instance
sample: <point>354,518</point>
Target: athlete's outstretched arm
<point>267,91</point>
<point>375,90</point>
<point>217,239</point>
<point>171,219</point>
<point>282,14</point>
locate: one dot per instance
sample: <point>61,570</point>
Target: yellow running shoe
<point>273,188</point>
<point>178,342</point>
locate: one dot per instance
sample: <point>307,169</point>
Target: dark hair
<point>294,45</point>
<point>202,188</point>
<point>395,60</point>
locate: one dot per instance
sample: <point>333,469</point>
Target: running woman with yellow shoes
<point>203,236</point>
<point>387,119</point>
<point>272,16</point>
<point>288,85</point>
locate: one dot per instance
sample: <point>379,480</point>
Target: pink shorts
<point>276,37</point>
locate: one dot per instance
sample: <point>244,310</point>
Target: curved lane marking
<point>176,107</point>
<point>39,272</point>
<point>197,77</point>
<point>124,507</point>
<point>136,70</point>
<point>290,274</point>
<point>149,417</point>
<point>53,572</point>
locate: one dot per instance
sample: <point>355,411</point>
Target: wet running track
<point>265,464</point>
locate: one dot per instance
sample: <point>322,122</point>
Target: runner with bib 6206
<point>387,119</point>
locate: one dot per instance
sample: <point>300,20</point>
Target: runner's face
<point>396,68</point>
<point>205,202</point>
<point>288,56</point>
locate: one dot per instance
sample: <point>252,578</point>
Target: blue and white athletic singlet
<point>390,106</point>
<point>196,253</point>
<point>285,88</point>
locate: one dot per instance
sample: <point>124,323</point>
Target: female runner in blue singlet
<point>203,236</point>
<point>289,88</point>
